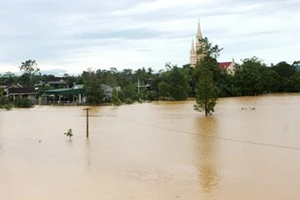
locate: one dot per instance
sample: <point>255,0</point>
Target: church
<point>230,66</point>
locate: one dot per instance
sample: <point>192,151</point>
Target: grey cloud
<point>51,29</point>
<point>136,33</point>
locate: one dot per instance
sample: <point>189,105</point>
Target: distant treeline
<point>253,77</point>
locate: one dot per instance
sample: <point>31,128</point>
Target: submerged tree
<point>206,89</point>
<point>207,92</point>
<point>93,88</point>
<point>4,101</point>
<point>69,133</point>
<point>174,84</point>
<point>115,98</point>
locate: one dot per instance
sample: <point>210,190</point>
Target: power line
<point>209,136</point>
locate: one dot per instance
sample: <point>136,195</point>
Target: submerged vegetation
<point>69,133</point>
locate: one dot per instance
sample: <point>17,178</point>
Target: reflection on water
<point>88,152</point>
<point>206,151</point>
<point>159,150</point>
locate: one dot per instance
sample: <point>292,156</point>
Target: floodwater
<point>154,151</point>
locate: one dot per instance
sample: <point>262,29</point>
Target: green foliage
<point>8,77</point>
<point>1,92</point>
<point>249,77</point>
<point>93,88</point>
<point>189,73</point>
<point>143,95</point>
<point>207,74</point>
<point>128,101</point>
<point>293,83</point>
<point>284,69</point>
<point>227,85</point>
<point>7,106</point>
<point>30,73</point>
<point>164,89</point>
<point>128,92</point>
<point>208,49</point>
<point>69,133</point>
<point>23,103</point>
<point>207,92</point>
<point>174,84</point>
<point>253,77</point>
<point>4,101</point>
<point>42,88</point>
<point>115,98</point>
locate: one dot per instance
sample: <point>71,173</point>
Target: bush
<point>4,100</point>
<point>23,103</point>
<point>128,101</point>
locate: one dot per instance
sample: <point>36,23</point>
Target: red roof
<point>224,65</point>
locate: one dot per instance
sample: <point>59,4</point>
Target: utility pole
<point>87,121</point>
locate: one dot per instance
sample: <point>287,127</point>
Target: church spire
<point>193,48</point>
<point>199,34</point>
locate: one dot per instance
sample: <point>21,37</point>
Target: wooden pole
<point>87,121</point>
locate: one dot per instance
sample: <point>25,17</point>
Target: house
<point>10,85</point>
<point>14,92</point>
<point>76,94</point>
<point>57,82</point>
<point>108,90</point>
<point>230,67</point>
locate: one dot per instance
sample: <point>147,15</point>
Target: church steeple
<point>199,34</point>
<point>193,51</point>
<point>198,37</point>
<point>193,55</point>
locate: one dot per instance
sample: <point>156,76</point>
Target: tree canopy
<point>207,76</point>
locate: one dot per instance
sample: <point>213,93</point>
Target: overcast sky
<point>73,35</point>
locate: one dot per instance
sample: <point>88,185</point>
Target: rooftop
<point>224,65</point>
<point>66,91</point>
<point>21,91</point>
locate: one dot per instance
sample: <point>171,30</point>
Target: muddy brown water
<point>155,151</point>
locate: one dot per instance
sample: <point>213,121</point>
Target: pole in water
<point>87,121</point>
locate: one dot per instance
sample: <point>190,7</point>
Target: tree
<point>206,89</point>
<point>4,101</point>
<point>69,133</point>
<point>293,83</point>
<point>164,89</point>
<point>179,87</point>
<point>207,92</point>
<point>23,103</point>
<point>30,72</point>
<point>253,77</point>
<point>8,77</point>
<point>115,98</point>
<point>284,69</point>
<point>128,93</point>
<point>174,84</point>
<point>93,88</point>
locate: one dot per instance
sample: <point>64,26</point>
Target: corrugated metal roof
<point>66,91</point>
